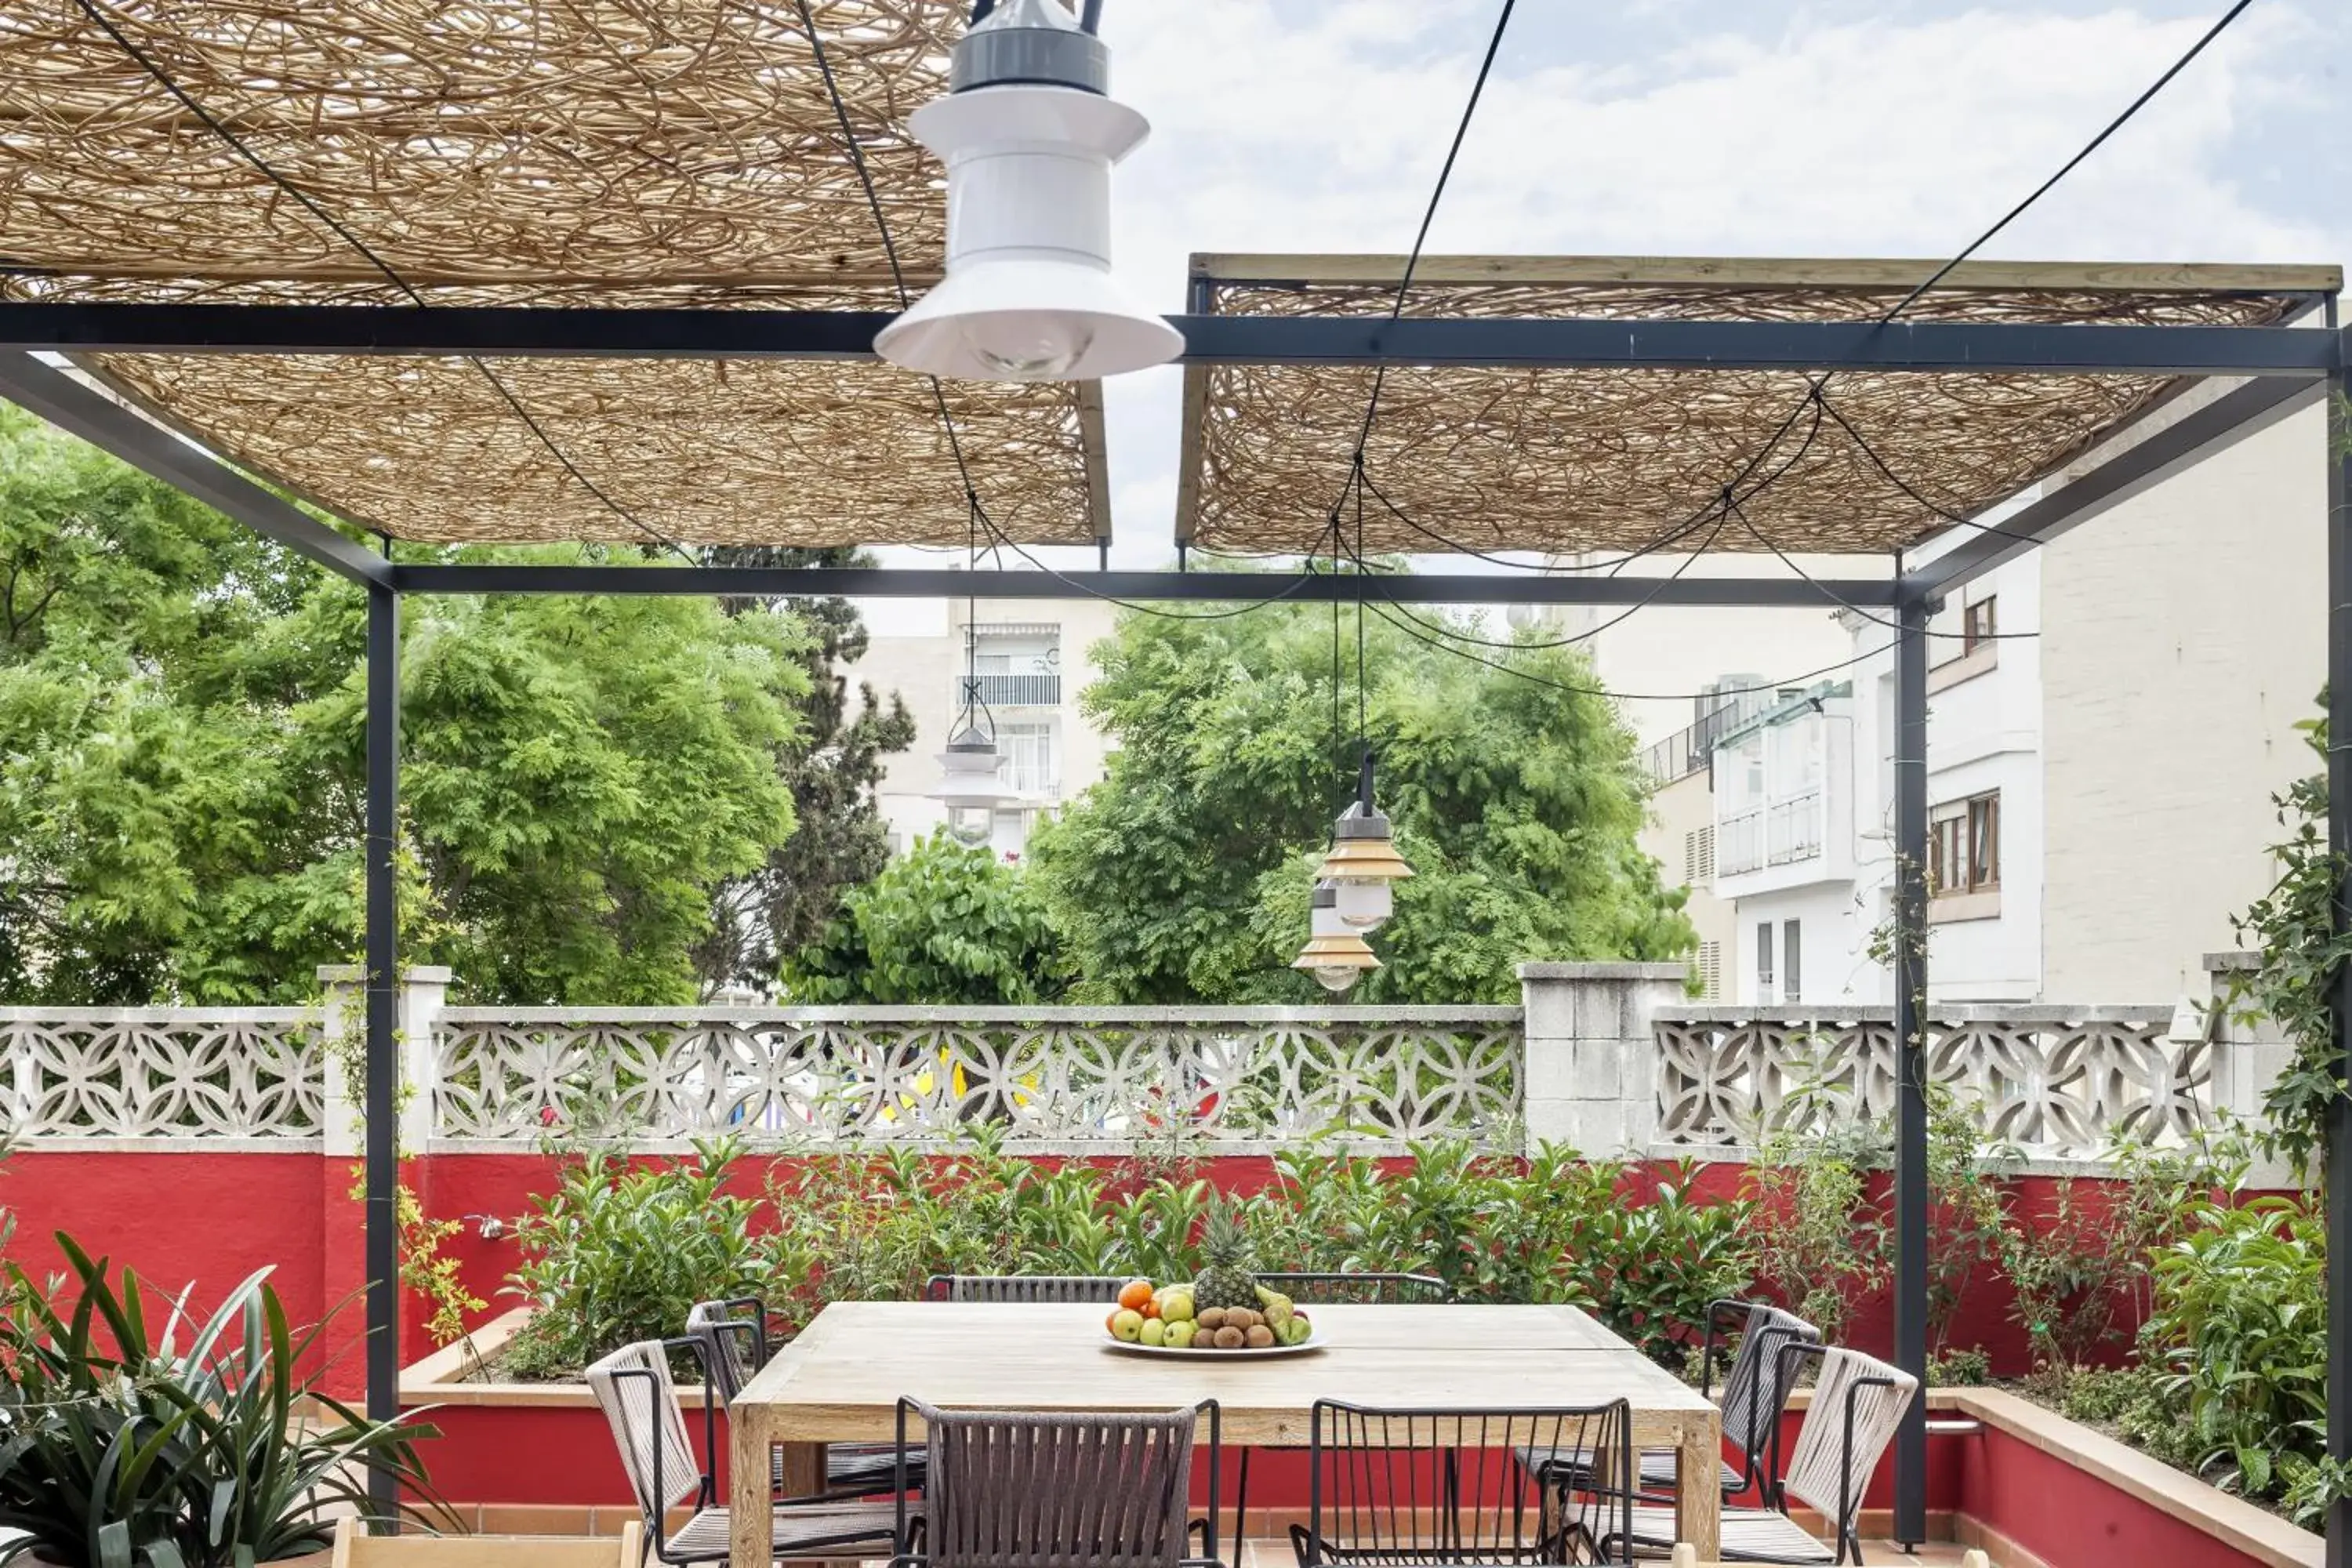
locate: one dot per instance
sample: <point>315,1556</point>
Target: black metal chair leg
<point>1241,1506</point>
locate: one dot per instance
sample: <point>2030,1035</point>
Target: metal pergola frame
<point>2281,370</point>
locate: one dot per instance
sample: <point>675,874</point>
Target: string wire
<point>154,69</point>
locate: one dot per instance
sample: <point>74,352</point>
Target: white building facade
<point>2108,719</point>
<point>1032,660</point>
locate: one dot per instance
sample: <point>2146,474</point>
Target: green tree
<point>834,768</point>
<point>181,716</point>
<point>942,924</point>
<point>1184,875</point>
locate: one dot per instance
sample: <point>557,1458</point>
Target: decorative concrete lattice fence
<point>1063,1079</point>
<point>2053,1082</point>
<point>1606,1057</point>
<point>159,1073</point>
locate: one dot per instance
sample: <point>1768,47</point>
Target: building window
<point>1033,763</point>
<point>1790,958</point>
<point>1710,970</point>
<point>1979,625</point>
<point>1764,962</point>
<point>1964,847</point>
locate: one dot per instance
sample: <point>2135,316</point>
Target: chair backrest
<point>355,1548</point>
<point>1858,1402</point>
<point>1449,1485</point>
<point>1010,1488</point>
<point>734,1342</point>
<point>1095,1290</point>
<point>1367,1290</point>
<point>633,1385</point>
<point>1752,1391</point>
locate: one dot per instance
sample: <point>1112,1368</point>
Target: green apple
<point>1154,1331</point>
<point>1177,1307</point>
<point>1126,1323</point>
<point>1179,1334</point>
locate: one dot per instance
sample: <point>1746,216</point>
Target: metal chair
<point>1050,1490</point>
<point>734,1334</point>
<point>1858,1403</point>
<point>1753,1396</point>
<point>1310,1289</point>
<point>1342,1289</point>
<point>1094,1289</point>
<point>1430,1487</point>
<point>633,1384</point>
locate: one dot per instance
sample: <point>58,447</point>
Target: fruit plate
<point>1311,1342</point>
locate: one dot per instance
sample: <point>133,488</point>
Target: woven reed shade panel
<point>1573,461</point>
<point>529,152</point>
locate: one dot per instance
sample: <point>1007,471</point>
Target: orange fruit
<point>1137,1294</point>
<point>1151,1307</point>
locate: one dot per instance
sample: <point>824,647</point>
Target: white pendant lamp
<point>971,772</point>
<point>1363,863</point>
<point>973,786</point>
<point>1029,134</point>
<point>1334,954</point>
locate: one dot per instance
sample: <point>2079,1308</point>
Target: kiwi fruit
<point>1258,1336</point>
<point>1210,1319</point>
<point>1231,1339</point>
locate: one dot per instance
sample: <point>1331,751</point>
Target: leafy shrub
<point>2240,1333</point>
<point>616,1254</point>
<point>184,1445</point>
<point>942,923</point>
<point>1819,1241</point>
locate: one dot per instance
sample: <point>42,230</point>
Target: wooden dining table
<point>840,1379</point>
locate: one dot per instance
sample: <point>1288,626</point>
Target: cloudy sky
<point>1709,127</point>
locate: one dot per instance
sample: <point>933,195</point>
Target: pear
<point>1278,1308</point>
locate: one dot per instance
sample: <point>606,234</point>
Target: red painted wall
<point>2070,1518</point>
<point>205,1220</point>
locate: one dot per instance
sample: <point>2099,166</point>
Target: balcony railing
<point>1739,844</point>
<point>1015,690</point>
<point>1793,829</point>
<point>1782,833</point>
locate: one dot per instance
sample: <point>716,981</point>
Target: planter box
<point>532,1457</point>
<point>2038,1491</point>
<point>2035,1489</point>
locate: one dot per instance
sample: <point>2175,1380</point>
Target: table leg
<point>1698,1489</point>
<point>750,1526</point>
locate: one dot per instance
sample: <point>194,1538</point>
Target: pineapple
<point>1224,1280</point>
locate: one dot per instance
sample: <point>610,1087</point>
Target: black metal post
<point>382,981</point>
<point>2339,838</point>
<point>1911,1062</point>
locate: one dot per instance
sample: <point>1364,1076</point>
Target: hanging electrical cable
<point>972,772</point>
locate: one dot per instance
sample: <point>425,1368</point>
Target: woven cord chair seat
<point>811,1530</point>
<point>1749,1535</point>
<point>864,1468</point>
<point>1658,1468</point>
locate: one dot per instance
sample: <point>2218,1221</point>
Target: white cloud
<point>1322,129</point>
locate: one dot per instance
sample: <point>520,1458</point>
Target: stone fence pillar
<point>1588,1076</point>
<point>2249,1053</point>
<point>424,989</point>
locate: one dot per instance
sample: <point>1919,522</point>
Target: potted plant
<point>186,1444</point>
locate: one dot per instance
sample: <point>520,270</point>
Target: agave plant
<point>187,1445</point>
